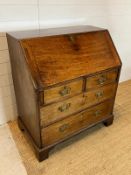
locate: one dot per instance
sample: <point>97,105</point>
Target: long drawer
<point>57,111</point>
<point>75,123</point>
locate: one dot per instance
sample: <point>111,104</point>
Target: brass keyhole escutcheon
<point>84,100</point>
<point>73,40</point>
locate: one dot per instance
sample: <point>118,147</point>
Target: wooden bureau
<point>65,81</point>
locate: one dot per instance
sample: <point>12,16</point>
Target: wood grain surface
<point>101,79</point>
<point>75,123</point>
<point>26,96</point>
<point>57,59</point>
<point>62,91</point>
<point>57,77</point>
<point>53,112</point>
<point>97,151</point>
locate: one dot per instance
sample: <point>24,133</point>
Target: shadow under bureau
<point>65,81</point>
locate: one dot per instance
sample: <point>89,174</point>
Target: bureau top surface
<point>77,52</point>
<point>52,31</point>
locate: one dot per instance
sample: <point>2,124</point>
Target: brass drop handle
<point>97,113</point>
<point>99,94</point>
<point>65,91</point>
<point>102,79</point>
<point>64,107</point>
<point>63,127</point>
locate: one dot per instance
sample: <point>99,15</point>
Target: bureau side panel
<point>26,97</point>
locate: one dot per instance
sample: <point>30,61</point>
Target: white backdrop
<point>29,14</point>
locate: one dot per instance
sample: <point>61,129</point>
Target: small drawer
<point>57,111</point>
<point>75,123</point>
<point>59,92</point>
<point>101,79</point>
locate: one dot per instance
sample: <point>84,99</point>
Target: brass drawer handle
<point>97,113</point>
<point>102,79</point>
<point>64,107</point>
<point>99,94</point>
<point>63,127</point>
<point>66,90</point>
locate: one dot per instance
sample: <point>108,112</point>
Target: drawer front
<point>75,123</point>
<point>101,79</point>
<point>58,93</point>
<point>60,110</point>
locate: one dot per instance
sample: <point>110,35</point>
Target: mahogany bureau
<point>65,81</point>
